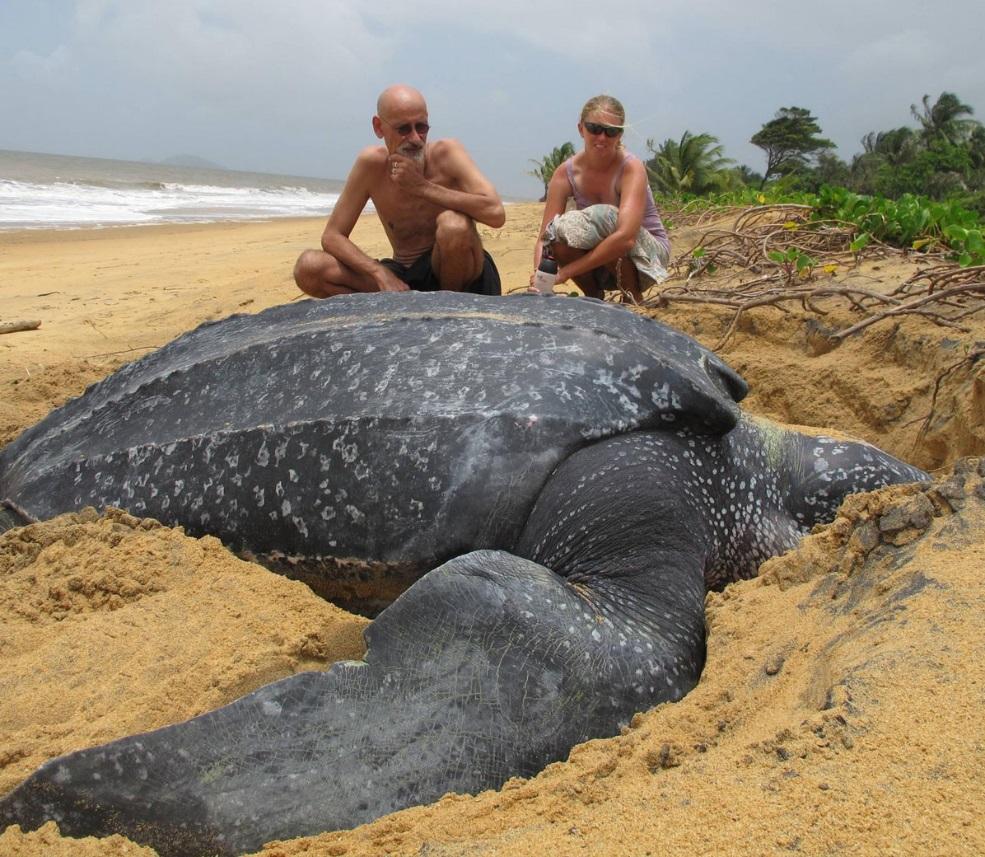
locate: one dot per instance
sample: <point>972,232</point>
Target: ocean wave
<point>106,202</point>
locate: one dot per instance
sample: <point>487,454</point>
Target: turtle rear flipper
<point>490,666</point>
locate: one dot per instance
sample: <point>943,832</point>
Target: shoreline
<point>168,278</point>
<point>91,231</point>
<point>62,229</point>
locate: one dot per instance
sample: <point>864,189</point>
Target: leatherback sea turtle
<point>575,475</point>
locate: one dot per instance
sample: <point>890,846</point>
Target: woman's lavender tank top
<point>651,216</point>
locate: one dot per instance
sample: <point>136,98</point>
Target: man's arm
<point>474,194</point>
<point>342,220</point>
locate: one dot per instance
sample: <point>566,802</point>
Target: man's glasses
<point>404,130</point>
<point>609,130</point>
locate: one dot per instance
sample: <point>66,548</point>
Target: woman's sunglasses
<point>609,130</point>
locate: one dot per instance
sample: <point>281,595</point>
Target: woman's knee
<point>564,253</point>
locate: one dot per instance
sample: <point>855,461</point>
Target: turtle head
<point>817,469</point>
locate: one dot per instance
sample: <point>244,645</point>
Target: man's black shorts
<point>420,276</point>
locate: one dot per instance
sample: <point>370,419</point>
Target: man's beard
<point>415,153</point>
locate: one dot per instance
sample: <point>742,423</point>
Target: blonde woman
<point>614,239</point>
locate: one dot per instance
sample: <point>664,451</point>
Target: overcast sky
<point>289,86</point>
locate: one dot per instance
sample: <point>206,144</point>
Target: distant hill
<point>191,161</point>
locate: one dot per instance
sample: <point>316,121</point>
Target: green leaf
<point>804,263</point>
<point>860,243</point>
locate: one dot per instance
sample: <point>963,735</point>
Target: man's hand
<point>406,173</point>
<point>387,281</point>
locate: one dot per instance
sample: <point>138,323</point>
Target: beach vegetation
<point>946,120</point>
<point>548,164</point>
<point>790,140</point>
<point>694,164</point>
<point>918,187</point>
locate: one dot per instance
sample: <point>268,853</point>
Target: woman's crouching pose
<point>614,238</point>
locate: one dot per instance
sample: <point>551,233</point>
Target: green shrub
<point>910,222</point>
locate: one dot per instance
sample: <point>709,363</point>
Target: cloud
<point>217,50</point>
<point>290,86</point>
<point>51,68</point>
<point>238,82</point>
<point>892,54</point>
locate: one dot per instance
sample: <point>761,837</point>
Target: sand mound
<point>46,842</point>
<point>114,625</point>
<point>878,385</point>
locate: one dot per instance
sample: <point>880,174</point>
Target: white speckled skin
<point>394,432</point>
<point>591,478</point>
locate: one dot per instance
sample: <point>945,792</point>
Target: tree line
<point>941,157</point>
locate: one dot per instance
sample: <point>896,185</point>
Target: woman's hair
<point>606,103</point>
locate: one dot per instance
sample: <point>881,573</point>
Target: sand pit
<point>838,713</point>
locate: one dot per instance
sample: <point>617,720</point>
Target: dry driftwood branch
<point>805,296</point>
<point>14,326</point>
<point>944,294</point>
<point>941,276</point>
<point>915,306</point>
<point>771,214</point>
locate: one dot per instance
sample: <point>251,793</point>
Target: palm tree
<point>947,119</point>
<point>549,163</point>
<point>895,147</point>
<point>694,164</point>
<point>976,148</point>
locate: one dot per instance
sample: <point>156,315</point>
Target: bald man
<point>428,195</point>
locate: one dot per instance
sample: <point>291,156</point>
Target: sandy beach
<point>840,708</point>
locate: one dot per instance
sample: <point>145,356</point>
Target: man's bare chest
<point>402,214</point>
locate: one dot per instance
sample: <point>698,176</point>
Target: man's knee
<point>306,266</point>
<point>453,227</point>
<point>313,273</point>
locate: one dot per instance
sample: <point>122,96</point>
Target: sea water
<point>44,191</point>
